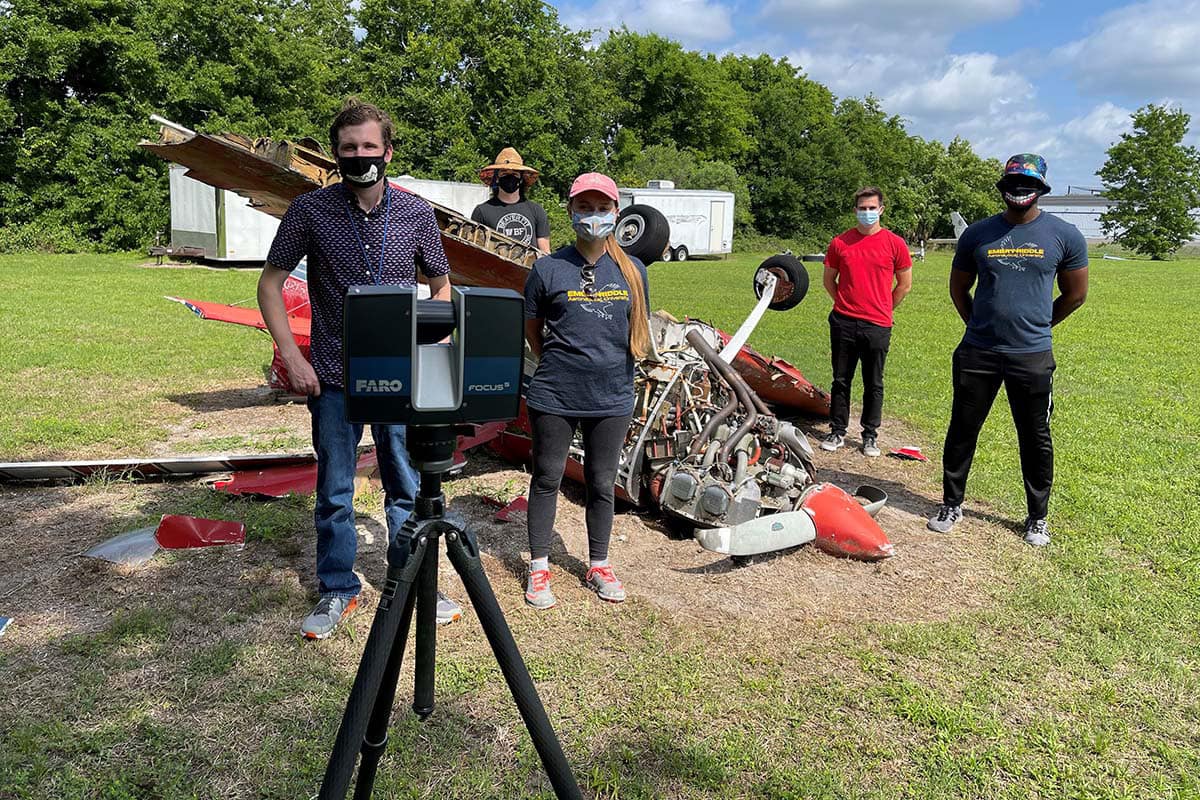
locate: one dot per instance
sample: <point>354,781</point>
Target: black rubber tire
<point>791,281</point>
<point>667,255</point>
<point>681,253</point>
<point>643,232</point>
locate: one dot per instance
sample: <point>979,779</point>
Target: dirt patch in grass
<point>183,646</point>
<point>233,418</point>
<point>931,577</point>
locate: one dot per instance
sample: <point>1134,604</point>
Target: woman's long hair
<point>639,325</point>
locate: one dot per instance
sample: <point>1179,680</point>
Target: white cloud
<point>900,26</point>
<point>692,22</point>
<point>1141,50</point>
<point>906,13</point>
<point>1100,127</point>
<point>969,84</point>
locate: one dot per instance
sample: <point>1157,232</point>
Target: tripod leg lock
<point>374,747</point>
<point>407,573</point>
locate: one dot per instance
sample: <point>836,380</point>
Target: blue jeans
<point>336,443</point>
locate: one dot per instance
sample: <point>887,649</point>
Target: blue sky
<point>1057,78</point>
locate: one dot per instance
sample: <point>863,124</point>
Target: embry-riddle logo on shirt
<point>363,386</point>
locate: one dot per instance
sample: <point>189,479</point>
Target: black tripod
<point>365,722</point>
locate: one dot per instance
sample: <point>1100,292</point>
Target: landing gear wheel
<point>681,253</point>
<point>643,232</point>
<point>791,281</point>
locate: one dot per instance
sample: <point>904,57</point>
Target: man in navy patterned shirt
<point>358,232</point>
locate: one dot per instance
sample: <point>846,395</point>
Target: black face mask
<point>1019,195</point>
<point>509,183</point>
<point>362,171</point>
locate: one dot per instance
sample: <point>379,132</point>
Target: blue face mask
<point>867,218</point>
<point>593,226</point>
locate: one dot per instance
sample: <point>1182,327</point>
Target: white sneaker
<point>945,518</point>
<point>447,610</point>
<point>1036,532</point>
<point>833,442</point>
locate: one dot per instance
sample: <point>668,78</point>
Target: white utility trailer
<point>462,197</point>
<point>216,224</point>
<point>701,220</point>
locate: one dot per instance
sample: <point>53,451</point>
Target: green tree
<point>1155,180</point>
<point>463,80</point>
<point>672,96</point>
<point>81,78</point>
<point>666,162</point>
<point>801,169</point>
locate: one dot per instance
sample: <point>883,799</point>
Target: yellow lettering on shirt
<point>1016,252</point>
<point>607,296</point>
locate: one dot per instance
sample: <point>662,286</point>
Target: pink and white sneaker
<point>537,592</point>
<point>605,583</point>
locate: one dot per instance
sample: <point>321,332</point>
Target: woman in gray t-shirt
<point>586,319</point>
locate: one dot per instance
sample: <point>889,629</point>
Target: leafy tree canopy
<point>1155,179</point>
<point>462,80</point>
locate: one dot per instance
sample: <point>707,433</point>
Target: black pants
<point>850,341</point>
<point>1028,380</point>
<point>603,438</point>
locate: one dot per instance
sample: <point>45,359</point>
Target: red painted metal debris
<point>844,528</point>
<point>176,532</point>
<point>282,481</point>
<point>518,506</point>
<point>908,454</point>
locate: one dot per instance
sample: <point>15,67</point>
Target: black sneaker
<point>945,518</point>
<point>869,448</point>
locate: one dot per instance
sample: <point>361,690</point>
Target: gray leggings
<point>602,441</point>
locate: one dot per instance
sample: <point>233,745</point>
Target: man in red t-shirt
<point>867,273</point>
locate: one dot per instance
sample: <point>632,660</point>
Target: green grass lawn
<point>1080,681</point>
<point>92,352</point>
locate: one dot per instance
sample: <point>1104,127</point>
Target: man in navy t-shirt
<point>1016,257</point>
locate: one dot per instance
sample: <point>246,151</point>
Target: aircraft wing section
<point>270,174</point>
<point>238,315</point>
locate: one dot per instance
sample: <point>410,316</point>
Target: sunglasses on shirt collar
<point>587,279</point>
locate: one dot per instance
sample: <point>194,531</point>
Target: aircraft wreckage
<point>704,448</point>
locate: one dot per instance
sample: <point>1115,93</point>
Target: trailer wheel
<point>643,232</point>
<point>668,255</point>
<point>791,281</point>
<point>681,253</point>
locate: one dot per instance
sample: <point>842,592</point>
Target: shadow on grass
<point>231,399</point>
<point>901,497</point>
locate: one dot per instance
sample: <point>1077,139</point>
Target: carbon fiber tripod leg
<point>426,645</point>
<point>395,609</point>
<point>465,558</point>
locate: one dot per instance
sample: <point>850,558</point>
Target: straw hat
<point>509,159</point>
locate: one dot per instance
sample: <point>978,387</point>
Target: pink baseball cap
<point>595,182</point>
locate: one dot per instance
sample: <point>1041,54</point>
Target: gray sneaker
<point>1036,532</point>
<point>605,583</point>
<point>447,610</point>
<point>833,442</point>
<point>945,518</point>
<point>326,616</point>
<point>537,591</point>
<point>869,448</point>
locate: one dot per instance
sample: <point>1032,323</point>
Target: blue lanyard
<point>377,277</point>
